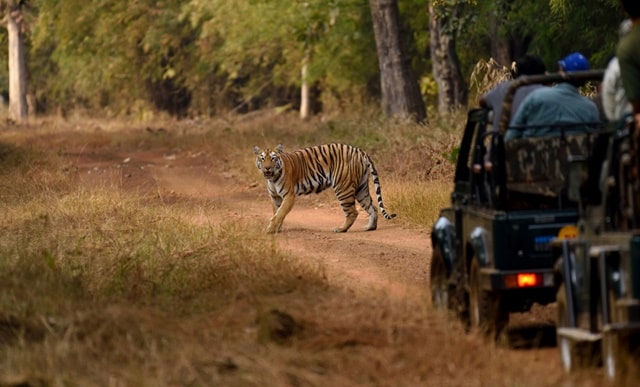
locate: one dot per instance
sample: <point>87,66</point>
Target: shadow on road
<point>541,335</point>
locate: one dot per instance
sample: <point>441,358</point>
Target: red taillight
<point>523,280</point>
<point>527,279</point>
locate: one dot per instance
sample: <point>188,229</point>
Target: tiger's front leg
<point>276,201</point>
<point>281,208</point>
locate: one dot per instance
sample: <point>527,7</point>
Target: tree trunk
<point>400,91</point>
<point>304,91</point>
<point>509,47</point>
<point>499,45</point>
<point>17,67</point>
<point>452,89</point>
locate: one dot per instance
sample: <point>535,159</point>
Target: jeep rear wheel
<point>485,310</point>
<point>440,295</point>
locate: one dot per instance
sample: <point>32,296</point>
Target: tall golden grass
<point>107,286</point>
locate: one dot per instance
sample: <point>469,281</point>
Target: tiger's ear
<point>256,150</point>
<point>280,148</point>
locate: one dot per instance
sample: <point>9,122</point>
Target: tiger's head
<point>269,162</point>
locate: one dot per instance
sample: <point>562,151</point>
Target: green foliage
<point>205,57</point>
<point>452,156</point>
<point>260,45</point>
<point>584,25</point>
<point>110,53</point>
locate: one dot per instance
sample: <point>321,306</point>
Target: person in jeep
<point>629,58</point>
<point>546,108</point>
<point>614,99</point>
<point>494,98</point>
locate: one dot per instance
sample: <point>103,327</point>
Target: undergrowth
<point>105,286</point>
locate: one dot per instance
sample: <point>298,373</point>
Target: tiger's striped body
<point>314,169</point>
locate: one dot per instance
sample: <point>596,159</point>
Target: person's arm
<point>608,90</point>
<point>636,113</point>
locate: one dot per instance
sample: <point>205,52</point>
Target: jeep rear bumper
<point>520,289</point>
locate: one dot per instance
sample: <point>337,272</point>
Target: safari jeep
<point>492,250</point>
<point>599,292</point>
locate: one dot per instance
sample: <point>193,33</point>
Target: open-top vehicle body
<point>599,292</point>
<point>492,250</point>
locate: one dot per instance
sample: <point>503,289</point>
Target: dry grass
<point>102,286</point>
<point>486,75</point>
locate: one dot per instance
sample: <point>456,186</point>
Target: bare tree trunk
<point>452,89</point>
<point>17,67</point>
<point>499,45</point>
<point>400,91</point>
<point>304,91</point>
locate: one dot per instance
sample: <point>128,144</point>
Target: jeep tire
<point>486,314</point>
<point>440,291</point>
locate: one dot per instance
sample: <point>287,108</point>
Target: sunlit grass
<point>103,285</point>
<point>61,243</point>
<point>104,244</point>
<point>418,203</point>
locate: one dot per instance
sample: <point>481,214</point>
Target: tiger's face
<point>268,161</point>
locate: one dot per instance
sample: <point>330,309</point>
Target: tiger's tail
<point>376,185</point>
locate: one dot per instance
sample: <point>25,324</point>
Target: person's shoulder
<point>628,44</point>
<point>611,72</point>
<point>591,107</point>
<point>612,65</point>
<point>540,92</point>
<point>531,88</point>
<point>495,95</point>
<point>530,100</point>
<point>499,88</point>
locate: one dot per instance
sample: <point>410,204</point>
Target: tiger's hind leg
<point>364,198</point>
<point>348,203</point>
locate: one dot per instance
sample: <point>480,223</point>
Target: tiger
<point>312,170</point>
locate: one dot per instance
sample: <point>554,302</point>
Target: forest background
<point>201,58</point>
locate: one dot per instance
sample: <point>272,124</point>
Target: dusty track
<point>392,259</point>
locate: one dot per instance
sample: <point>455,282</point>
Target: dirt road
<point>393,258</point>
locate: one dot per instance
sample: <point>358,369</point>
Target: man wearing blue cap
<point>547,108</point>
